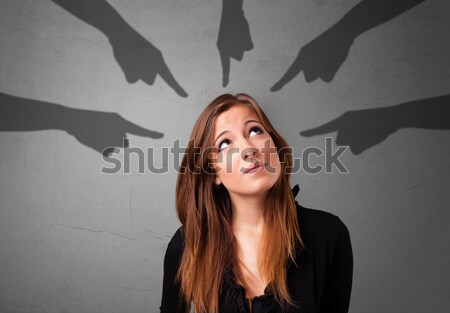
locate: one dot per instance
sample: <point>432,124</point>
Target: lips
<point>255,168</point>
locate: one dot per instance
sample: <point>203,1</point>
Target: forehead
<point>234,117</point>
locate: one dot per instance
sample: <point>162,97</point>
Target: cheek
<point>227,164</point>
<point>267,147</point>
<point>233,164</point>
<point>271,156</point>
<point>274,162</point>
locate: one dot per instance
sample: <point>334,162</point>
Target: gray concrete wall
<point>76,78</point>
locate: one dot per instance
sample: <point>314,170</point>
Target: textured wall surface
<point>77,76</point>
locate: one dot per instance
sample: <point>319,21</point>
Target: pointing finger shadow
<point>101,131</point>
<point>363,129</point>
<point>234,36</point>
<point>324,55</point>
<point>136,56</point>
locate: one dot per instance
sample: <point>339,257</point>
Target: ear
<point>217,180</point>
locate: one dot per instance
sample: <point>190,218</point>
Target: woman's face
<point>247,162</point>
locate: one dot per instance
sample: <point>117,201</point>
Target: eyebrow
<point>226,131</point>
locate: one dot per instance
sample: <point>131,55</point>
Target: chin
<point>258,188</point>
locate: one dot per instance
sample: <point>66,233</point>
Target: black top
<point>322,282</point>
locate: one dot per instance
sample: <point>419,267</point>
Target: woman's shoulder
<point>320,228</point>
<point>316,218</point>
<point>176,244</point>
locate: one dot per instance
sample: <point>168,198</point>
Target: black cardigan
<point>322,282</point>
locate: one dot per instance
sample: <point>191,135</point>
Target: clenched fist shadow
<point>101,131</point>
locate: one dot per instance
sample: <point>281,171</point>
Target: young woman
<point>245,244</point>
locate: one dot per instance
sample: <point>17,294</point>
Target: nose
<point>250,152</point>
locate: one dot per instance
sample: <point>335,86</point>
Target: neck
<point>247,213</point>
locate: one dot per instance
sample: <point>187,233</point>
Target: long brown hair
<point>205,212</point>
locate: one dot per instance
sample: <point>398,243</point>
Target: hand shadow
<point>234,36</point>
<point>366,128</point>
<point>137,57</point>
<point>101,131</point>
<point>323,56</point>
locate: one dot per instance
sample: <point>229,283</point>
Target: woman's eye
<point>255,130</point>
<point>223,144</point>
